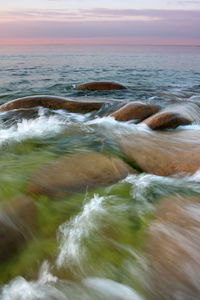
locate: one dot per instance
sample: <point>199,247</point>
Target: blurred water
<point>95,245</point>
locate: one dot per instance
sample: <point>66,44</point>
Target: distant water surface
<point>151,73</point>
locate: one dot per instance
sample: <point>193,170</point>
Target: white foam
<point>110,127</point>
<point>41,289</point>
<point>41,127</point>
<point>145,187</point>
<point>72,233</point>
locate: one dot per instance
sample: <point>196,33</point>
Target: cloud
<point>188,2</point>
<point>101,23</point>
<point>96,14</point>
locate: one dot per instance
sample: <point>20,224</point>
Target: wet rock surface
<point>17,224</point>
<point>173,248</point>
<point>173,116</point>
<point>51,102</point>
<point>100,86</point>
<point>78,173</point>
<point>167,121</point>
<point>165,154</point>
<point>137,111</point>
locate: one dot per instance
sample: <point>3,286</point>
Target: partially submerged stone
<point>17,224</point>
<point>173,249</point>
<point>51,102</point>
<point>162,153</point>
<point>99,86</point>
<point>173,116</point>
<point>166,121</point>
<point>78,173</point>
<point>135,111</point>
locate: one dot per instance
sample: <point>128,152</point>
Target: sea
<point>95,245</point>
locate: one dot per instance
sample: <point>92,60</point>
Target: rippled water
<point>100,244</point>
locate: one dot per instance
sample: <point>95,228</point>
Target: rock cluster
<point>154,148</point>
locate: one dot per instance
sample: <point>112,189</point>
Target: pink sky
<point>95,25</point>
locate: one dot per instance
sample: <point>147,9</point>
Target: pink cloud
<point>173,26</point>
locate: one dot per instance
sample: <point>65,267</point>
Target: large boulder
<point>137,111</point>
<point>173,248</point>
<point>173,116</point>
<point>99,86</point>
<point>162,153</point>
<point>17,224</point>
<point>78,173</point>
<point>51,102</point>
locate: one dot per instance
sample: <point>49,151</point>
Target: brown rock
<point>51,102</point>
<point>99,86</point>
<point>17,224</point>
<point>173,116</point>
<point>167,153</point>
<point>78,173</point>
<point>166,121</point>
<point>173,248</point>
<point>135,111</point>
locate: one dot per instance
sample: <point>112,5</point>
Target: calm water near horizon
<point>93,245</point>
<point>148,71</point>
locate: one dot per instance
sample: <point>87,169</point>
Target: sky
<point>115,22</point>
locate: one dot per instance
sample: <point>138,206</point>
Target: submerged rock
<point>99,86</point>
<point>173,116</point>
<point>51,102</point>
<point>78,173</point>
<point>173,248</point>
<point>135,111</point>
<point>17,224</point>
<point>162,153</point>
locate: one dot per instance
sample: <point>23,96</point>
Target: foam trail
<point>147,187</point>
<point>72,234</point>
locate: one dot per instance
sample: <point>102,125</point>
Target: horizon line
<point>97,44</point>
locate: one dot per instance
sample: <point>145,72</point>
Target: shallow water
<point>93,245</point>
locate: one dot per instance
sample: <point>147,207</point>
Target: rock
<point>78,173</point>
<point>17,224</point>
<point>100,86</point>
<point>51,102</point>
<point>162,153</point>
<point>173,116</point>
<point>173,249</point>
<point>135,111</point>
<point>166,121</point>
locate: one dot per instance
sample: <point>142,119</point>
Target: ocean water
<point>163,74</point>
<point>100,243</point>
